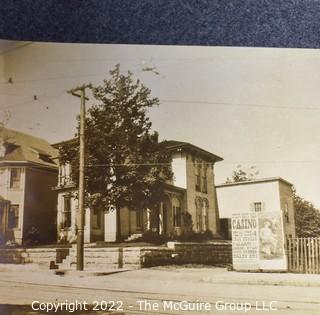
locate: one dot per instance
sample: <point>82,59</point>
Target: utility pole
<point>80,214</point>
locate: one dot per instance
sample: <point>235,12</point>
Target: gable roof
<point>173,145</point>
<point>22,147</point>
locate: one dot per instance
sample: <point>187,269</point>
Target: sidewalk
<point>276,279</point>
<point>209,275</point>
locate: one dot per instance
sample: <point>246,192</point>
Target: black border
<point>260,23</point>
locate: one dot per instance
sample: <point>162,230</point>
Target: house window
<point>139,215</point>
<point>13,216</point>
<point>257,206</point>
<point>205,210</point>
<point>176,207</point>
<point>204,182</point>
<point>66,211</point>
<point>198,177</point>
<point>15,177</point>
<point>286,212</point>
<point>97,214</point>
<point>198,214</point>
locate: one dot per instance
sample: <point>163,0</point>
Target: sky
<point>251,106</point>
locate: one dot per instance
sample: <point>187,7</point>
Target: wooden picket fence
<point>303,255</point>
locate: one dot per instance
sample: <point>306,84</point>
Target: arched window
<point>198,214</point>
<point>205,211</point>
<point>176,209</point>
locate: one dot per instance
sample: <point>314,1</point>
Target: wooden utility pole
<point>81,212</point>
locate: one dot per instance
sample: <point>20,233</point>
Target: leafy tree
<point>126,166</point>
<point>241,175</point>
<point>307,217</point>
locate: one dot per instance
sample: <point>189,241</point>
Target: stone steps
<point>133,237</point>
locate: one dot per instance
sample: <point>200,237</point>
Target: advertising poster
<point>245,253</point>
<point>271,241</point>
<point>258,241</point>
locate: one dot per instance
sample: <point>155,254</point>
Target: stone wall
<point>213,253</point>
<point>40,256</point>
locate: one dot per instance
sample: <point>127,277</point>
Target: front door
<point>3,222</point>
<point>165,219</point>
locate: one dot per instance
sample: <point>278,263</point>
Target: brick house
<point>190,202</point>
<point>27,175</point>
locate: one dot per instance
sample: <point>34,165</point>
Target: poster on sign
<point>258,241</point>
<point>271,241</point>
<point>245,245</point>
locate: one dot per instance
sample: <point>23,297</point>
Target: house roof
<point>173,145</point>
<point>255,181</point>
<point>21,147</point>
<point>70,141</point>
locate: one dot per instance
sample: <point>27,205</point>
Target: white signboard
<point>245,253</point>
<point>258,241</point>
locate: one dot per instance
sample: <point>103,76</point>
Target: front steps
<point>102,258</point>
<point>133,237</point>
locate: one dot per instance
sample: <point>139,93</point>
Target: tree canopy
<point>242,175</point>
<point>126,166</point>
<point>307,217</point>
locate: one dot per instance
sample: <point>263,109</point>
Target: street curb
<point>87,273</point>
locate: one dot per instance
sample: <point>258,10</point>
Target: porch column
<point>148,219</point>
<point>161,218</point>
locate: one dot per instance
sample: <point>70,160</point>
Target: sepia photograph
<point>149,179</point>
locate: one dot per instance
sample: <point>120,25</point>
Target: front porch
<point>9,215</point>
<point>167,218</point>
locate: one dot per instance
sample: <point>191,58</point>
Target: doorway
<point>3,222</point>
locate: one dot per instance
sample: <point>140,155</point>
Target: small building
<point>190,202</point>
<point>27,175</point>
<point>268,194</point>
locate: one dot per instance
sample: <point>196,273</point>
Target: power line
<point>204,163</point>
<point>54,78</point>
<point>237,104</point>
<point>170,164</point>
<point>33,101</point>
<point>194,102</point>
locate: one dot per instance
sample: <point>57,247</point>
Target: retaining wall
<point>214,253</point>
<point>40,256</point>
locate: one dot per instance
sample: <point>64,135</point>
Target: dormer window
<point>15,177</point>
<point>42,156</point>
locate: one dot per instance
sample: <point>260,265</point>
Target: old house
<point>189,203</point>
<point>268,194</point>
<point>27,175</point>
